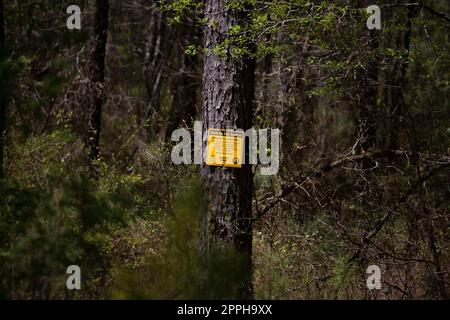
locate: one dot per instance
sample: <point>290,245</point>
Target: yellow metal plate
<point>225,148</point>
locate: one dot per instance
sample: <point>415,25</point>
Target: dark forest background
<point>86,176</point>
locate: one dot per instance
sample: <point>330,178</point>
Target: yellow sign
<point>225,148</point>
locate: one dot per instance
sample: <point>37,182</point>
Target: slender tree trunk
<point>368,110</point>
<point>2,27</point>
<point>264,92</point>
<point>185,83</point>
<point>97,75</point>
<point>303,134</point>
<point>303,85</point>
<point>228,94</point>
<point>439,279</point>
<point>368,104</point>
<point>185,93</point>
<point>397,82</point>
<point>156,55</point>
<point>367,93</point>
<point>3,101</point>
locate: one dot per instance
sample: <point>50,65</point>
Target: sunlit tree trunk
<point>228,94</point>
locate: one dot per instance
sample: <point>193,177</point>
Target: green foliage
<point>181,271</point>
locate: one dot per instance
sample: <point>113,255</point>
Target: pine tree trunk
<point>228,94</point>
<point>97,76</point>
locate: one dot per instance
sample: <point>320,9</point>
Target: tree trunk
<point>2,26</point>
<point>185,83</point>
<point>368,108</point>
<point>397,82</point>
<point>3,101</point>
<point>368,94</point>
<point>156,55</point>
<point>97,76</point>
<point>228,94</point>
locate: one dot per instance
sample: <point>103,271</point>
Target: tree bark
<point>97,76</point>
<point>3,101</point>
<point>228,97</point>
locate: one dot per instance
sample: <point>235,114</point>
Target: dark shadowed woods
<point>87,177</point>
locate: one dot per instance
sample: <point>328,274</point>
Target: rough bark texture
<point>97,75</point>
<point>228,94</point>
<point>2,94</point>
